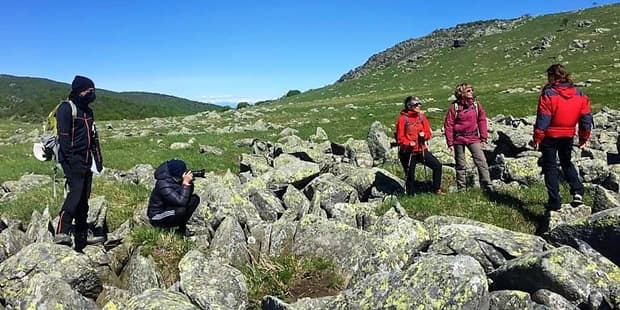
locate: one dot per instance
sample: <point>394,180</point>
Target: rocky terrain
<point>320,198</point>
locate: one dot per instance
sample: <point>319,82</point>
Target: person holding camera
<point>412,132</point>
<point>465,126</point>
<point>173,201</point>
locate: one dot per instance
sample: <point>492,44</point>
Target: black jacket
<point>168,192</point>
<point>78,138</point>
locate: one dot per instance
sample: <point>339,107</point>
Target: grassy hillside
<point>30,99</point>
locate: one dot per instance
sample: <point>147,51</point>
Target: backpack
<point>407,123</point>
<point>456,108</point>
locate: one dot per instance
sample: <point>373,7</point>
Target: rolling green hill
<point>30,99</point>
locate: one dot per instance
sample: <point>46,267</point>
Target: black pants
<point>551,149</point>
<point>75,206</point>
<point>178,216</point>
<point>409,161</point>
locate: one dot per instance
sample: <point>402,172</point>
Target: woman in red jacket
<point>561,106</point>
<point>412,132</point>
<point>465,126</point>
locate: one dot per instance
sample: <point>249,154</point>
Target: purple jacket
<point>466,127</point>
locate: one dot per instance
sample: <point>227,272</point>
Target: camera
<point>198,173</point>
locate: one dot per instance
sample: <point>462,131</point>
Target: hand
<point>187,178</point>
<point>451,149</point>
<point>583,145</point>
<point>536,146</point>
<point>484,145</point>
<point>412,143</point>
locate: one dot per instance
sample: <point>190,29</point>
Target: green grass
<point>291,278</point>
<point>166,247</point>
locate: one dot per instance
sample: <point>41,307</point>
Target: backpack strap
<point>51,117</point>
<point>456,108</point>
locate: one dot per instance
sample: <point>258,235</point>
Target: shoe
<point>185,232</point>
<point>439,192</point>
<point>577,199</point>
<point>63,239</point>
<point>488,189</point>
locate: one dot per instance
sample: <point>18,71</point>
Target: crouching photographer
<point>173,201</point>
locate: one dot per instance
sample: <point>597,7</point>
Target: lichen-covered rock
<point>524,170</point>
<point>603,199</point>
<point>119,255</point>
<point>97,213</point>
<point>296,203</point>
<point>601,230</point>
<point>491,247</point>
<point>267,204</point>
<point>49,293</point>
<point>562,270</point>
<point>101,262</point>
<point>211,283</point>
<point>378,142</point>
<point>274,303</point>
<point>50,260</point>
<point>157,298</point>
<point>40,228</point>
<point>345,245</point>
<point>114,298</point>
<point>509,300</point>
<point>373,182</point>
<point>331,190</point>
<point>218,201</point>
<point>281,238</point>
<point>141,274</point>
<point>593,170</point>
<point>567,214</point>
<point>431,282</point>
<point>229,243</point>
<point>552,300</point>
<point>11,241</point>
<point>255,163</point>
<point>435,222</point>
<point>359,215</point>
<point>296,173</point>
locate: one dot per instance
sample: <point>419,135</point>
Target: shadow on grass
<point>515,203</point>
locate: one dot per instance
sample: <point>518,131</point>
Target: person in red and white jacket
<point>412,132</point>
<point>561,106</point>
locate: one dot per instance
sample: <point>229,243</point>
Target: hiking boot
<point>577,199</point>
<point>439,192</point>
<point>63,239</point>
<point>185,232</point>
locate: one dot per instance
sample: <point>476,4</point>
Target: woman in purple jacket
<point>466,126</point>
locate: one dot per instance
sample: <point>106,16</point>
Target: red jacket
<point>467,126</point>
<point>561,106</point>
<point>408,126</point>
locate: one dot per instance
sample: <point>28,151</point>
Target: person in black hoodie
<point>79,151</point>
<point>172,201</point>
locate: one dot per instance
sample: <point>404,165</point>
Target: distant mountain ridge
<point>31,98</point>
<point>409,51</point>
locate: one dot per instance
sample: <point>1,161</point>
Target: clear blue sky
<point>224,51</point>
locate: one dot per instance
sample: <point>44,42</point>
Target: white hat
<point>39,152</point>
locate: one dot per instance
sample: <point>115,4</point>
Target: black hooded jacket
<point>169,193</point>
<point>78,138</point>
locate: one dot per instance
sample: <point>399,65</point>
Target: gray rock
<point>378,141</point>
<point>49,260</point>
<point>552,300</point>
<point>119,256</point>
<point>600,230</point>
<point>9,189</point>
<point>211,283</point>
<point>268,205</point>
<point>331,191</point>
<point>434,282</point>
<point>114,297</point>
<point>257,164</point>
<point>491,247</point>
<point>218,201</point>
<point>296,203</point>
<point>288,132</point>
<point>319,136</point>
<point>141,274</point>
<point>49,293</point>
<point>97,215</point>
<point>229,243</point>
<point>180,146</point>
<point>246,142</point>
<point>100,260</point>
<point>509,300</point>
<point>567,214</point>
<point>40,228</point>
<point>274,303</point>
<point>355,214</point>
<point>524,170</point>
<point>562,270</point>
<point>297,173</point>
<point>11,241</point>
<point>593,171</point>
<point>603,199</point>
<point>210,150</point>
<point>157,298</point>
<point>282,238</point>
<point>373,183</point>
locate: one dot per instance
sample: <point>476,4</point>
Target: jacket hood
<point>162,172</point>
<point>566,90</point>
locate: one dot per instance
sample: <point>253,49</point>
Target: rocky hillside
<point>30,99</point>
<point>407,53</point>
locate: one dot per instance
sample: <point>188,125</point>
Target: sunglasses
<point>469,90</point>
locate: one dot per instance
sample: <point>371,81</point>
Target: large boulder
<point>524,170</point>
<point>141,274</point>
<point>211,283</point>
<point>218,201</point>
<point>510,300</point>
<point>114,298</point>
<point>296,204</point>
<point>601,230</point>
<point>563,270</point>
<point>267,204</point>
<point>11,241</point>
<point>330,190</point>
<point>378,141</point>
<point>373,182</point>
<point>433,282</point>
<point>50,260</point>
<point>491,247</point>
<point>297,173</point>
<point>552,300</point>
<point>229,243</point>
<point>603,199</point>
<point>97,215</point>
<point>157,298</point>
<point>40,228</point>
<point>50,292</point>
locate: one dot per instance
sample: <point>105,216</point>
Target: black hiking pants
<point>176,217</point>
<point>409,161</point>
<point>75,206</point>
<point>551,149</point>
